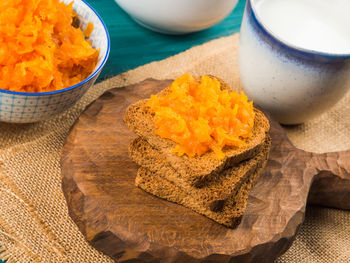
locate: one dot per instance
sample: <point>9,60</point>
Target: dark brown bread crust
<point>198,169</point>
<point>229,214</point>
<point>214,193</point>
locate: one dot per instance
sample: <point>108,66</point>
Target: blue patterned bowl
<point>19,107</point>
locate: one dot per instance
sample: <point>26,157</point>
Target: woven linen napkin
<point>34,221</point>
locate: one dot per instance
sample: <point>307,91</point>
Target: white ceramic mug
<point>293,83</point>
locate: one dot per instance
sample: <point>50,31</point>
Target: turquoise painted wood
<point>133,45</point>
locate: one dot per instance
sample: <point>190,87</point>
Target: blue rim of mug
<point>92,75</point>
<point>283,43</point>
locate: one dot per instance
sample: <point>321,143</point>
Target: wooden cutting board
<point>130,225</point>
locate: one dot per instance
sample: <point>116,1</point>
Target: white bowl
<point>294,84</point>
<point>22,107</point>
<point>177,16</point>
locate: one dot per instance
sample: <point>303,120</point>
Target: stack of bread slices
<point>215,188</point>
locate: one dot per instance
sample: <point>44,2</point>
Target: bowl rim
<point>259,21</point>
<point>92,75</point>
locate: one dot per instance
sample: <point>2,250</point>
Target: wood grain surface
<point>130,225</point>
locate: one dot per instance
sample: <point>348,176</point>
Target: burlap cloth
<point>34,221</point>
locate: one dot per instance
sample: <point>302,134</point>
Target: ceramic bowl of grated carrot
<point>51,53</point>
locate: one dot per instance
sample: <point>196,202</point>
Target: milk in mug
<point>319,25</point>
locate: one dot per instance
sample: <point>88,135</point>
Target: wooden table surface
<point>133,45</point>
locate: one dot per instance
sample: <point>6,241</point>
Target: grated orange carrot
<point>199,116</point>
<point>40,49</point>
<point>88,30</point>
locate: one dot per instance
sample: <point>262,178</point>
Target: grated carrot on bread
<point>190,164</point>
<point>200,116</point>
<point>198,169</point>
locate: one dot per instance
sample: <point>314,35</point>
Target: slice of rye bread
<point>215,193</point>
<point>197,169</point>
<point>231,212</point>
